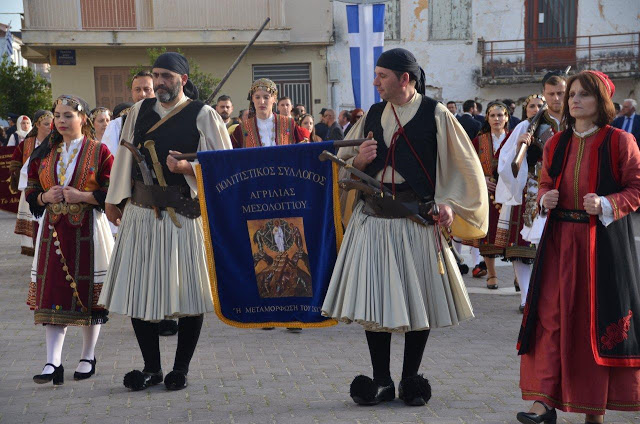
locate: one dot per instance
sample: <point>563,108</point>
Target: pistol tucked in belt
<point>570,215</point>
<point>386,207</point>
<point>173,196</point>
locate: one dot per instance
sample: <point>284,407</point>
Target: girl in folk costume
<point>23,128</point>
<point>67,185</point>
<point>100,118</point>
<point>518,200</point>
<point>580,335</point>
<point>488,144</point>
<point>26,226</point>
<point>265,128</point>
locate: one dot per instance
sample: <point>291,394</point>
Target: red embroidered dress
<point>483,144</point>
<point>74,241</point>
<point>579,337</point>
<point>247,135</point>
<point>25,225</point>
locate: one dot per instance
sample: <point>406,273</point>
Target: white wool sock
<point>90,335</point>
<point>54,336</point>
<point>523,273</point>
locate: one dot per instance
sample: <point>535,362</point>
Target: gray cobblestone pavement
<point>254,376</point>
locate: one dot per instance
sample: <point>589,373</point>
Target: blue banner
<point>271,219</point>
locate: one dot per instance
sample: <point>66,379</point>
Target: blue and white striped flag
<point>366,39</point>
<point>7,49</point>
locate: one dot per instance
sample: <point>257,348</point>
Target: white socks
<point>475,256</point>
<point>89,339</point>
<point>523,274</point>
<point>458,246</point>
<point>54,335</point>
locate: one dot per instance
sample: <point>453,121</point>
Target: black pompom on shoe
<point>365,391</point>
<point>415,390</point>
<point>175,380</point>
<point>139,380</point>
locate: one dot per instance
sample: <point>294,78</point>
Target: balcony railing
<point>153,15</point>
<point>513,61</point>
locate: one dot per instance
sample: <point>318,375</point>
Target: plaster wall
<point>451,65</point>
<point>79,79</point>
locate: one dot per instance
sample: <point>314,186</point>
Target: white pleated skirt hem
<point>157,271</point>
<point>386,278</point>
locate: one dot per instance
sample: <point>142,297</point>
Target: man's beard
<point>168,93</point>
<point>224,115</point>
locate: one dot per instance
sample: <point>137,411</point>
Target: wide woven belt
<point>569,215</point>
<point>64,208</point>
<point>147,196</point>
<point>385,207</point>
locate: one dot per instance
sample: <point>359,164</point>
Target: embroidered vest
<point>285,131</point>
<point>179,133</point>
<point>421,130</point>
<point>28,148</point>
<point>84,176</point>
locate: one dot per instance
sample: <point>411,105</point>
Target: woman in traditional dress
<point>265,128</point>
<point>68,182</point>
<point>580,335</point>
<point>488,143</point>
<point>513,207</point>
<point>100,117</point>
<point>23,127</point>
<point>26,226</point>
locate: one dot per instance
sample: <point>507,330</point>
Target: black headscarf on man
<point>179,64</point>
<point>402,60</point>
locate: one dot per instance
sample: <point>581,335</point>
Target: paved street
<point>255,376</point>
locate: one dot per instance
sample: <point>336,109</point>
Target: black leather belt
<point>385,207</point>
<point>177,197</point>
<point>569,215</point>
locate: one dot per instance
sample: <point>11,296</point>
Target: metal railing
<point>615,54</point>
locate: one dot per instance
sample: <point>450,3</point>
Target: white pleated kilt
<point>157,270</point>
<point>386,278</point>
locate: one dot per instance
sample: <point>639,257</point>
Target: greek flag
<point>8,44</point>
<point>366,37</point>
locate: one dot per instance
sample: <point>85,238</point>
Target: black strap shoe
<point>84,375</point>
<point>57,376</point>
<point>365,391</point>
<point>139,380</point>
<point>550,416</point>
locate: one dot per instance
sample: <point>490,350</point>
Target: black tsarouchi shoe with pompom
<point>365,391</point>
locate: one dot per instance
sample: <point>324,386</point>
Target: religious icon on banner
<point>280,257</point>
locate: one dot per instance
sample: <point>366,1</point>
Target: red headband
<point>611,88</point>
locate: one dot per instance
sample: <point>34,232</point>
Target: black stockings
<point>149,342</point>
<point>380,351</point>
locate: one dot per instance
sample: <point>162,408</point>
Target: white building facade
<point>481,50</point>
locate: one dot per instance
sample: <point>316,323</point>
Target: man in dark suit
<point>335,130</point>
<point>478,116</point>
<point>513,120</point>
<point>630,120</point>
<point>470,125</point>
<point>322,130</point>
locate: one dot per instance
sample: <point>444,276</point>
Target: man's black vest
<point>421,130</point>
<point>178,133</point>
